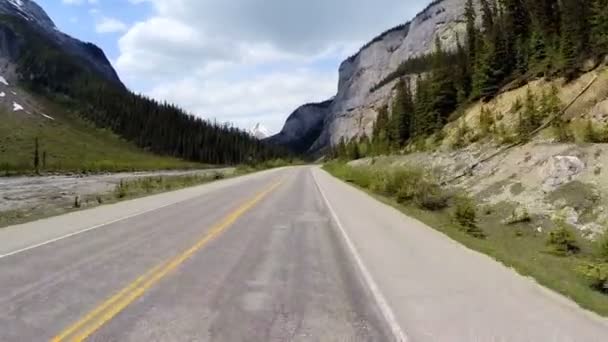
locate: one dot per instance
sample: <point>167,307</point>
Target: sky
<point>238,61</point>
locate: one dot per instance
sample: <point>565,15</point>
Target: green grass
<point>519,246</point>
<point>71,145</point>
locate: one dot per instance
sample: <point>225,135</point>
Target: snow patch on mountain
<point>259,131</point>
<point>17,107</point>
<point>3,80</point>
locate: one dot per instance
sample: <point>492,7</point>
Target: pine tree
<point>574,34</point>
<point>423,116</point>
<point>401,115</point>
<point>443,92</point>
<point>516,27</point>
<point>472,34</point>
<point>599,26</point>
<point>36,156</point>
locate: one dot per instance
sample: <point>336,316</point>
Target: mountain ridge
<point>353,110</point>
<point>90,55</point>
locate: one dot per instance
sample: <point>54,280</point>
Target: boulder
<point>560,170</point>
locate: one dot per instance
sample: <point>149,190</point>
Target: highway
<point>290,254</point>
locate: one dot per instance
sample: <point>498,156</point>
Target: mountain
<point>303,127</point>
<point>259,131</point>
<point>64,93</point>
<point>353,110</point>
<point>11,45</point>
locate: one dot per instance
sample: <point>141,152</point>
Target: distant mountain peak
<point>28,10</point>
<point>259,131</point>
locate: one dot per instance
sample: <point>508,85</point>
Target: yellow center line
<point>112,306</point>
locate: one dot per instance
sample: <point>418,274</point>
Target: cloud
<point>240,60</point>
<point>262,98</point>
<point>109,25</point>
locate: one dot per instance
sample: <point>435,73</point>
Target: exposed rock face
<point>561,170</point>
<point>303,126</point>
<point>353,110</point>
<point>36,19</point>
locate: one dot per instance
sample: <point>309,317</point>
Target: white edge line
<point>386,310</point>
<point>83,231</point>
<point>25,249</point>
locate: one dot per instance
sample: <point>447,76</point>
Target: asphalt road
<point>283,255</point>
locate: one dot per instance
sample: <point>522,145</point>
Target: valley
<point>456,186</point>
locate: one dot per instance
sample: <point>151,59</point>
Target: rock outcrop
<point>353,110</point>
<point>29,14</point>
<point>303,127</point>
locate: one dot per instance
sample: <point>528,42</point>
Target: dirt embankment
<point>548,181</point>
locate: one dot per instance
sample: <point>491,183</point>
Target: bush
<point>597,275</point>
<point>603,246</point>
<point>431,197</point>
<point>562,131</point>
<point>465,216</point>
<point>520,215</point>
<point>562,240</point>
<point>486,121</point>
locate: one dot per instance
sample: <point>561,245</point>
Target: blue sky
<point>238,61</point>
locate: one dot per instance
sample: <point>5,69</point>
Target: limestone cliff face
<point>353,110</point>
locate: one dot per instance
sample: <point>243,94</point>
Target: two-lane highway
<point>283,255</point>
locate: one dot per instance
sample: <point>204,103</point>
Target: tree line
<point>158,127</point>
<point>505,41</point>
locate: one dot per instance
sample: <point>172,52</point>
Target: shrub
<point>431,197</point>
<point>592,134</point>
<point>466,217</point>
<point>562,240</point>
<point>517,106</point>
<point>561,130</point>
<point>218,175</point>
<point>486,121</point>
<point>459,139</point>
<point>520,215</point>
<point>597,275</point>
<point>602,246</point>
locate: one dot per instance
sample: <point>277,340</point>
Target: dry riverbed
<point>47,195</point>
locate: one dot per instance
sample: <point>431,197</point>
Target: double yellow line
<point>112,306</point>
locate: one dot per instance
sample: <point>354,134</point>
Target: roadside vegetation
<point>134,188</point>
<point>557,258</point>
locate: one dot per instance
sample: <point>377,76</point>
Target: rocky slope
<point>353,110</point>
<point>30,14</point>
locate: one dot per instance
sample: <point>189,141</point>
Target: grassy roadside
<point>580,276</point>
<point>131,189</point>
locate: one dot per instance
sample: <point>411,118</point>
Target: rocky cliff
<point>28,13</point>
<point>352,111</point>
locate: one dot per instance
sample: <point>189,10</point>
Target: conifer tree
<point>401,115</point>
<point>599,26</point>
<point>443,92</point>
<point>472,34</point>
<point>36,156</point>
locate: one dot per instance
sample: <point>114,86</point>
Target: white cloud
<point>249,60</point>
<point>264,98</point>
<point>109,25</point>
